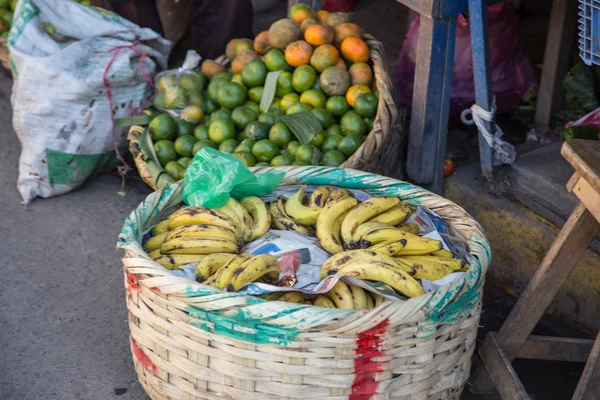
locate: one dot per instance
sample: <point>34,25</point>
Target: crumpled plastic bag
<point>214,176</point>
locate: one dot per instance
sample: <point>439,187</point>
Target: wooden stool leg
<point>588,387</point>
<point>564,254</point>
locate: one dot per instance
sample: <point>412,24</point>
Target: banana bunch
<point>232,272</point>
<point>300,212</point>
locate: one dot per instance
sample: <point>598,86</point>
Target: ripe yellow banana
<point>465,268</point>
<point>390,247</point>
<point>199,215</point>
<point>202,231</point>
<point>364,212</point>
<point>211,264</point>
<point>270,296</point>
<point>291,297</point>
<point>430,271</point>
<point>299,212</point>
<point>324,302</point>
<point>194,245</point>
<point>417,245</point>
<point>282,221</point>
<point>261,216</point>
<point>365,228</point>
<point>241,216</point>
<point>333,264</point>
<point>442,253</point>
<point>154,254</point>
<point>328,230</point>
<point>370,303</point>
<point>341,295</point>
<point>383,272</point>
<point>223,276</point>
<point>394,215</point>
<point>155,242</point>
<point>377,299</point>
<point>408,227</point>
<point>359,297</point>
<point>452,263</point>
<point>380,234</point>
<point>161,227</point>
<point>251,270</point>
<point>320,196</point>
<point>337,227</point>
<point>174,261</point>
<point>337,195</point>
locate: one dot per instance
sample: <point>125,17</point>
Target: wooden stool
<point>513,340</point>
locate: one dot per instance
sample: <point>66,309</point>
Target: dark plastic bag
<point>213,177</point>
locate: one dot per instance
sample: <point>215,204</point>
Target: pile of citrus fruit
<point>312,64</point>
<point>7,7</point>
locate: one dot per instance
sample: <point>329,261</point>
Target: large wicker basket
<point>379,153</point>
<point>191,341</point>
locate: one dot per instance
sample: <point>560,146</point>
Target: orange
<point>240,61</point>
<point>306,23</point>
<point>335,81</point>
<point>344,31</point>
<point>361,74</point>
<point>283,32</point>
<point>242,45</point>
<point>355,91</point>
<point>340,63</point>
<point>322,16</point>
<point>337,18</point>
<point>300,12</point>
<point>355,50</point>
<point>211,68</point>
<point>261,42</point>
<point>324,56</point>
<point>230,49</point>
<point>298,53</point>
<point>318,35</point>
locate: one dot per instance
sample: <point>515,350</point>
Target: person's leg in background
<point>216,22</point>
<point>141,12</point>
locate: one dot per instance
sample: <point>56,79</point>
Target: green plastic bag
<point>214,176</point>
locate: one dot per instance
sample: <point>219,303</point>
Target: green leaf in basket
<point>132,121</point>
<point>304,125</point>
<point>317,155</point>
<point>147,147</point>
<point>269,90</point>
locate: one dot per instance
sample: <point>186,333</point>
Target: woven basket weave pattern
<point>191,341</point>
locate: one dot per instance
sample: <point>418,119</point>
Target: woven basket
<point>191,341</point>
<point>380,151</point>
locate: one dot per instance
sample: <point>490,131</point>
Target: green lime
<point>265,150</point>
<point>262,164</point>
<point>237,78</point>
<point>175,169</point>
<point>185,161</point>
<point>184,128</point>
<point>163,127</point>
<point>280,134</point>
<point>196,99</point>
<point>298,107</point>
<point>324,116</point>
<point>301,163</point>
<point>269,118</point>
<point>318,139</point>
<point>282,160</point>
<point>366,105</point>
<point>191,81</point>
<point>314,98</point>
<point>275,61</point>
<point>254,73</point>
<point>369,122</point>
<point>213,88</point>
<point>184,145</point>
<point>246,157</point>
<point>160,101</point>
<point>331,142</point>
<point>176,98</point>
<point>242,116</point>
<point>220,130</point>
<point>304,78</point>
<point>221,113</point>
<point>205,120</point>
<point>305,153</point>
<point>255,94</point>
<point>334,130</point>
<point>165,151</point>
<point>284,84</point>
<point>228,146</point>
<point>292,147</point>
<point>210,106</point>
<point>275,105</point>
<point>203,78</point>
<point>246,145</point>
<point>288,100</point>
<point>337,106</point>
<point>225,75</point>
<point>332,158</point>
<point>231,95</point>
<point>202,144</point>
<point>242,136</point>
<point>257,130</point>
<point>349,144</point>
<point>317,85</point>
<point>353,124</point>
<point>165,82</point>
<point>201,132</point>
<point>253,106</point>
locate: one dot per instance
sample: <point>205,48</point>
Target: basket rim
<point>464,291</point>
<point>383,123</point>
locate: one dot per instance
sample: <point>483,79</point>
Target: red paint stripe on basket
<point>368,346</point>
<point>132,284</point>
<point>142,357</point>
